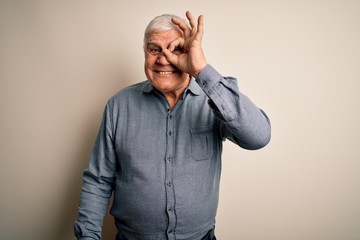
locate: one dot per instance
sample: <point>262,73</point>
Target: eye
<point>178,50</point>
<point>154,50</point>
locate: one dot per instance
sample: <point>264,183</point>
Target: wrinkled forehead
<point>162,38</point>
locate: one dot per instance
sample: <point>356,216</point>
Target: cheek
<point>147,68</point>
<point>149,62</point>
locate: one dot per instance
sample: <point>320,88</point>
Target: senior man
<point>159,146</point>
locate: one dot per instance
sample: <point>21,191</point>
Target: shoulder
<point>132,91</point>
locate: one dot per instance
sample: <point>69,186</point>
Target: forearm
<point>242,121</point>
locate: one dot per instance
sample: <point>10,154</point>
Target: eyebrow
<point>152,42</point>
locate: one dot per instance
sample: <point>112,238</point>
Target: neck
<point>172,98</point>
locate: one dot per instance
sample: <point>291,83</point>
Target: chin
<point>164,85</point>
<point>167,79</point>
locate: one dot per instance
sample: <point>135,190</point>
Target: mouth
<point>166,72</point>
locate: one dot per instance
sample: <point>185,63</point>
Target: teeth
<point>163,73</point>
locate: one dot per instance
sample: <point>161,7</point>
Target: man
<point>159,146</point>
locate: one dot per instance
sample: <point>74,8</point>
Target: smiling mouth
<point>166,72</point>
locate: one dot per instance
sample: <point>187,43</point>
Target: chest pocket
<point>202,142</point>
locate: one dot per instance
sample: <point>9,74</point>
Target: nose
<point>162,59</point>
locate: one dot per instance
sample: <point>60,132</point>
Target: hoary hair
<point>162,23</point>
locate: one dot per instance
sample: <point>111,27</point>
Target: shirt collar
<point>193,87</point>
<point>147,87</point>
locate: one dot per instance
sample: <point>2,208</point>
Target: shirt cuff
<point>208,77</point>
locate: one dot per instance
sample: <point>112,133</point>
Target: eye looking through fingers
<point>177,46</point>
<point>178,50</point>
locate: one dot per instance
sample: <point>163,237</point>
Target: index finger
<point>182,25</point>
<point>192,22</point>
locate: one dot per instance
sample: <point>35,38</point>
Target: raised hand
<point>191,59</point>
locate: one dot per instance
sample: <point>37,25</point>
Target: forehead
<point>162,38</point>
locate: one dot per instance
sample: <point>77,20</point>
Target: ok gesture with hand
<point>192,59</point>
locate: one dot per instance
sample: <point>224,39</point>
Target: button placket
<point>169,186</point>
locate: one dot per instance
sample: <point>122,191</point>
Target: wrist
<point>196,73</point>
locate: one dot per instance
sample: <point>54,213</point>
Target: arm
<point>97,183</point>
<point>242,122</point>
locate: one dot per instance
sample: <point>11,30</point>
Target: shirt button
<point>170,133</point>
<point>168,184</point>
<point>170,116</point>
<point>168,158</point>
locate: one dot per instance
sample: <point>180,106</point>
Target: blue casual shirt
<point>163,165</point>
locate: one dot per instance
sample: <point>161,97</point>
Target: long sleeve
<point>98,181</point>
<point>242,121</point>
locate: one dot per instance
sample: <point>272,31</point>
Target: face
<point>164,76</point>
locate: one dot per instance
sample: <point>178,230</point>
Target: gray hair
<point>162,23</point>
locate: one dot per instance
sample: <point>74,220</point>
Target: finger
<point>182,25</point>
<point>179,42</point>
<point>171,57</point>
<point>200,30</point>
<point>192,22</point>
